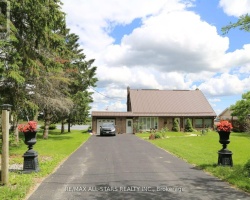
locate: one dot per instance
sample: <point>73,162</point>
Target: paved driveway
<point>126,167</point>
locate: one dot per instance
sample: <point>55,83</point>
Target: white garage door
<point>101,121</point>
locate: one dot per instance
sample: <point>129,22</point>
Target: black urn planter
<point>30,156</point>
<point>225,155</point>
<point>30,139</point>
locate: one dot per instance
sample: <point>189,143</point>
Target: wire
<point>114,98</point>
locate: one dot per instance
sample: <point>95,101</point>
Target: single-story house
<point>227,115</point>
<point>156,109</point>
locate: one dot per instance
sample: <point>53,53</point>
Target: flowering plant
<point>29,127</point>
<point>225,126</point>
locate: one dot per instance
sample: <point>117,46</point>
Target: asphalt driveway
<point>126,167</point>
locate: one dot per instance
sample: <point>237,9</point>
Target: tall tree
<point>35,44</point>
<point>82,74</point>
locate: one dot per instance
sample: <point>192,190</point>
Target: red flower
<point>225,126</point>
<point>29,127</point>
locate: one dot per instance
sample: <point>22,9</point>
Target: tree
<point>241,109</point>
<point>176,126</point>
<point>37,40</point>
<point>243,23</point>
<point>42,67</point>
<point>188,126</point>
<point>82,74</point>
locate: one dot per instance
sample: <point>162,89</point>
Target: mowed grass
<point>51,153</point>
<point>202,151</point>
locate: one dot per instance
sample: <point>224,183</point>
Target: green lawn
<point>202,152</point>
<point>51,153</point>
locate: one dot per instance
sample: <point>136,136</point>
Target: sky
<point>163,44</point>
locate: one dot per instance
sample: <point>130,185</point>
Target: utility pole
<point>5,144</point>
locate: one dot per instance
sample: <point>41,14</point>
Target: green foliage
<point>163,132</point>
<point>51,127</point>
<point>241,108</point>
<point>157,135</point>
<point>188,126</point>
<point>42,68</point>
<point>243,23</point>
<point>247,167</point>
<point>176,125</point>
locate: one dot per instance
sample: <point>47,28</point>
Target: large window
<point>198,123</point>
<point>147,123</point>
<point>208,123</point>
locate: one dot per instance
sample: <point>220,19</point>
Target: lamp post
<point>5,145</point>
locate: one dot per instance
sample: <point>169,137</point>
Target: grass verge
<point>51,153</point>
<point>201,151</point>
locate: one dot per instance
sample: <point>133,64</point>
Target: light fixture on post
<point>6,107</point>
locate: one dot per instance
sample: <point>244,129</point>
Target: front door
<point>129,126</point>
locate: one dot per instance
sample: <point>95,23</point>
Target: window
<point>198,123</point>
<point>208,123</point>
<point>147,123</point>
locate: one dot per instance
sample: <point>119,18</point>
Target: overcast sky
<point>163,44</point>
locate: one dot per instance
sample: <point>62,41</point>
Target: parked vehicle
<point>107,129</point>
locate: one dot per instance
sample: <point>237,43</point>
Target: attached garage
<point>122,120</point>
<point>100,122</point>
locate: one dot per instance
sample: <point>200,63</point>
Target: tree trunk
<point>14,122</point>
<point>62,126</point>
<point>46,124</point>
<point>36,116</point>
<point>15,130</point>
<point>69,125</point>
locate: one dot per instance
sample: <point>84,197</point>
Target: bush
<point>247,167</point>
<point>188,126</point>
<point>157,135</point>
<point>51,127</point>
<point>163,132</point>
<point>176,126</point>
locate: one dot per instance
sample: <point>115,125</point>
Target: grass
<point>51,153</point>
<point>201,151</point>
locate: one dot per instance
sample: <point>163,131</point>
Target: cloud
<point>225,84</point>
<point>214,100</point>
<point>172,48</point>
<point>170,41</point>
<point>234,7</point>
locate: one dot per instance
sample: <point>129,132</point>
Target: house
<point>227,115</point>
<point>156,109</point>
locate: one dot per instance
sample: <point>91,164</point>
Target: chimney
<point>128,99</point>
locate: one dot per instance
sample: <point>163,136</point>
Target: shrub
<point>51,127</point>
<point>163,132</point>
<point>157,135</point>
<point>247,167</point>
<point>188,126</point>
<point>176,126</point>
